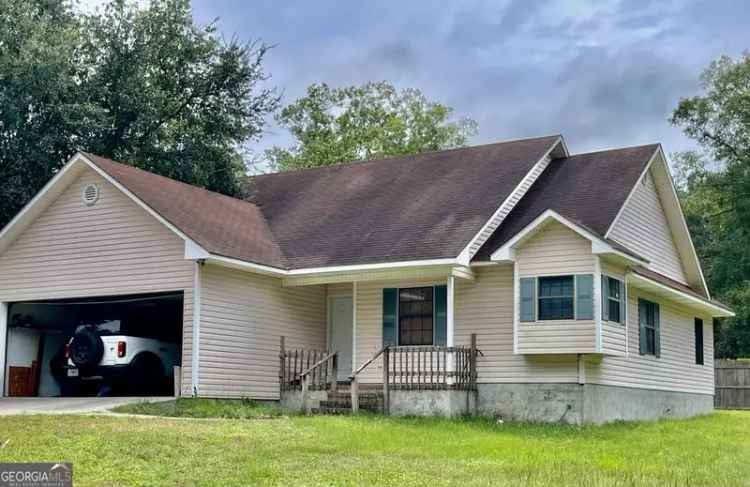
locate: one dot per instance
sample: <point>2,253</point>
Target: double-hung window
<point>556,298</point>
<point>613,299</point>
<point>415,316</point>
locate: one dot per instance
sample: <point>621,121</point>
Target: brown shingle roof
<point>588,189</point>
<point>222,225</point>
<point>417,207</point>
<point>662,279</point>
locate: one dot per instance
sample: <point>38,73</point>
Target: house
<point>510,279</point>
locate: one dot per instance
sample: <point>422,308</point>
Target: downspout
<point>3,345</point>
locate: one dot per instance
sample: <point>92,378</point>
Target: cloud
<point>603,73</point>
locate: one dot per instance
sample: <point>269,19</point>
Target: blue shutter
<point>390,315</point>
<point>657,331</point>
<point>623,303</point>
<point>528,295</point>
<point>605,298</point>
<point>441,315</point>
<point>584,297</point>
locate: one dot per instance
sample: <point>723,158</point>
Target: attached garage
<point>118,345</point>
<point>86,253</point>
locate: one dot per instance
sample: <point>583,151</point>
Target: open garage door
<point>107,346</point>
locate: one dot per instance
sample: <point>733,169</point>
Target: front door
<point>341,333</point>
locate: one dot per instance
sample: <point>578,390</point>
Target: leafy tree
<point>715,186</point>
<point>143,86</point>
<point>333,125</point>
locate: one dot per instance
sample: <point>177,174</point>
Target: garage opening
<point>106,346</point>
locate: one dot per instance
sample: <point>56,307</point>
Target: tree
<point>334,125</point>
<point>144,86</point>
<point>715,187</point>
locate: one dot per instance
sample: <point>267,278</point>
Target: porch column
<point>354,326</point>
<point>450,338</point>
<point>3,335</point>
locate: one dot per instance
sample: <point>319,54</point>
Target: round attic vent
<point>90,194</point>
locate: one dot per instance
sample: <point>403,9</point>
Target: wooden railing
<point>422,368</point>
<point>307,369</point>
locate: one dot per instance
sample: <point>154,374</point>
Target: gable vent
<point>90,194</point>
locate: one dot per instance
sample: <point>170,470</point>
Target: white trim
<point>4,308</point>
<point>721,312</point>
<point>598,310</point>
<point>450,331</point>
<point>659,155</point>
<point>627,316</point>
<point>683,224</point>
<point>25,212</point>
<point>598,245</point>
<point>196,332</point>
<point>507,205</point>
<point>193,251</point>
<point>367,267</point>
<point>245,266</point>
<point>516,305</point>
<point>633,190</point>
<point>354,326</point>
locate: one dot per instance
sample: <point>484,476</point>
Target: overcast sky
<point>602,73</point>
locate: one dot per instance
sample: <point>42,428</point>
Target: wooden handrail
<point>316,365</point>
<point>366,364</point>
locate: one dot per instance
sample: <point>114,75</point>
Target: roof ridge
<point>655,145</point>
<point>350,163</point>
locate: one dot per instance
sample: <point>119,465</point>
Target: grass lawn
<point>371,450</point>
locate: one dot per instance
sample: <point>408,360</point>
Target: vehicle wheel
<point>145,376</point>
<point>86,348</point>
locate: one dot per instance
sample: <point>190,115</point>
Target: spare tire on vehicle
<point>86,348</point>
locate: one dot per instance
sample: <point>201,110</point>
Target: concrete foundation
<point>431,403</point>
<point>549,403</point>
<point>587,403</point>
<point>292,400</point>
<point>603,404</point>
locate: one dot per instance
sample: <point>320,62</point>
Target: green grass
<point>371,450</point>
<point>202,408</point>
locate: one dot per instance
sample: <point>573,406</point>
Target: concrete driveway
<point>67,405</point>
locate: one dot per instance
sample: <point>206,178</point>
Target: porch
<point>415,380</point>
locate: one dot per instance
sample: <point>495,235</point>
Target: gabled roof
<point>221,225</point>
<point>588,189</point>
<point>412,208</point>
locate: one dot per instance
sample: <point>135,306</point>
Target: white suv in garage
<point>128,363</point>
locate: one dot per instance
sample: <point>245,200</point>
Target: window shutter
<point>642,317</point>
<point>441,315</point>
<point>605,298</point>
<point>657,332</point>
<point>584,297</point>
<point>528,295</point>
<point>623,302</point>
<point>390,315</point>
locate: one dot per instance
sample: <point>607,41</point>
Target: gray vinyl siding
<point>555,251</point>
<point>112,248</point>
<point>675,369</point>
<point>643,228</point>
<point>243,316</point>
